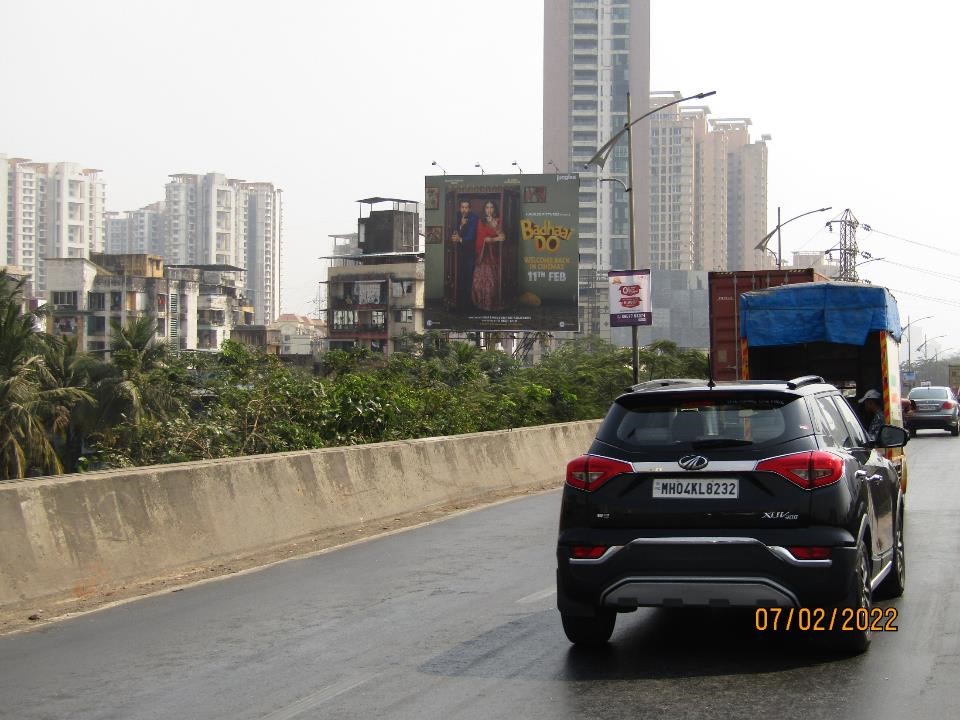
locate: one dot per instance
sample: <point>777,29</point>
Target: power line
<point>912,242</point>
<point>953,302</point>
<point>945,276</point>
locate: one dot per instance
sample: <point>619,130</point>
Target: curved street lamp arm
<point>601,156</point>
<point>926,317</point>
<point>763,243</point>
<point>617,180</point>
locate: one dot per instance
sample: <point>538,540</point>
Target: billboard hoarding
<point>501,252</point>
<point>630,298</point>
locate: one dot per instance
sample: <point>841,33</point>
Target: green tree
<point>33,407</point>
<point>135,385</point>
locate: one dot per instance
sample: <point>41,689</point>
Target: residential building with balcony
<point>221,305</point>
<point>215,220</point>
<point>375,288</point>
<point>595,53</point>
<point>136,231</point>
<point>49,210</point>
<point>299,334</point>
<point>87,297</point>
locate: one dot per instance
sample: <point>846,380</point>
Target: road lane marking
<point>537,596</point>
<point>318,698</point>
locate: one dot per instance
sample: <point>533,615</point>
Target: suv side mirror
<point>891,436</point>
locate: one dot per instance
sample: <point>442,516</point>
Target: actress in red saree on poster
<point>487,290</point>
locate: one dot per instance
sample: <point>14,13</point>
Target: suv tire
<point>852,641</point>
<point>589,631</point>
<point>895,582</point>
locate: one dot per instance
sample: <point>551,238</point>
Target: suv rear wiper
<point>720,442</point>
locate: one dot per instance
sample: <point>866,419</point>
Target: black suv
<point>749,494</point>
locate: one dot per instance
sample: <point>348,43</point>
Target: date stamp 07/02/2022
<point>843,619</point>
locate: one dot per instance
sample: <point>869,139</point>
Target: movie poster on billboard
<point>630,298</point>
<point>501,252</point>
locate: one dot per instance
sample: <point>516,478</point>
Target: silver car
<point>934,408</point>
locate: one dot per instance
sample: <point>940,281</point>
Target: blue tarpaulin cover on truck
<point>835,312</point>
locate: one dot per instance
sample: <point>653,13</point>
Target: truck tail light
<point>807,470</point>
<point>588,472</point>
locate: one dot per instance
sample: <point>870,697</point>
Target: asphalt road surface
<point>457,620</point>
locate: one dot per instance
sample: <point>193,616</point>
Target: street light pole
<point>910,338</point>
<point>762,245</point>
<point>925,341</point>
<point>634,344</point>
<point>600,158</point>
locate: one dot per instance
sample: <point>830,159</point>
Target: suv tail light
<point>588,472</point>
<point>810,552</point>
<point>807,470</point>
<point>587,552</point>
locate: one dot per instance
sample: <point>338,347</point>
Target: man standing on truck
<point>872,402</point>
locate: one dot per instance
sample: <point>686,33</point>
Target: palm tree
<point>68,368</point>
<point>32,407</point>
<point>132,385</point>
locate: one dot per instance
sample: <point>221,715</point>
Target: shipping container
<point>725,289</point>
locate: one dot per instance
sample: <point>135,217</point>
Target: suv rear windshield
<point>929,393</point>
<point>701,420</point>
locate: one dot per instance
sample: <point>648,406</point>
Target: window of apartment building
<point>404,315</point>
<point>378,318</point>
<point>344,319</point>
<point>621,28</point>
<point>161,327</point>
<point>65,299</point>
<point>96,325</point>
<point>96,301</point>
<point>96,346</point>
<point>116,300</point>
<point>584,14</point>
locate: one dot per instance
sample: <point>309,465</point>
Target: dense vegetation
<point>64,411</point>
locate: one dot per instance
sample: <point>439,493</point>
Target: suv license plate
<point>696,489</point>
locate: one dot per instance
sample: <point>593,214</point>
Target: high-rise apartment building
<point>673,198</point>
<point>596,52</point>
<point>51,210</point>
<point>215,220</point>
<point>746,193</point>
<point>137,231</point>
<point>708,200</point>
<point>261,248</point>
<point>698,186</point>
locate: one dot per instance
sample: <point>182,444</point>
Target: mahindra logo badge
<point>693,462</point>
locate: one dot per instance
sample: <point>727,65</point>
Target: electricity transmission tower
<point>848,245</point>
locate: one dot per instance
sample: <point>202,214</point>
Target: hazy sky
<point>336,101</point>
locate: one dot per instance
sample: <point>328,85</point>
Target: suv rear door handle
<point>862,474</point>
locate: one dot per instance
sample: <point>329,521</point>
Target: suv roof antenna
<point>710,382</point>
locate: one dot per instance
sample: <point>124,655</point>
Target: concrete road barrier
<point>75,535</point>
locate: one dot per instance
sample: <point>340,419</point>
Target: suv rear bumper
<point>693,571</point>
